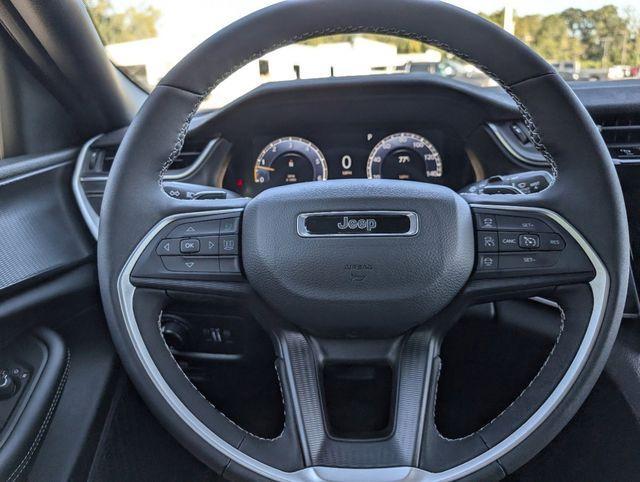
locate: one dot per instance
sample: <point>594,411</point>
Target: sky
<point>212,15</point>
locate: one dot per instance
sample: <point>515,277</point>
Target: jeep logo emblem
<point>357,223</point>
<point>347,223</point>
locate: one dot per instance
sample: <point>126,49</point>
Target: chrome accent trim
<point>178,174</point>
<point>90,216</point>
<point>507,145</point>
<point>541,162</point>
<point>303,232</point>
<point>599,288</point>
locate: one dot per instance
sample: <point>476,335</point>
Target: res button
<point>551,242</point>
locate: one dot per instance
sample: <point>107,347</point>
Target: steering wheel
<point>336,269</point>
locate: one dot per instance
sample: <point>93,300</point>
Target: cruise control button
<point>512,223</point>
<point>200,228</point>
<point>509,242</point>
<point>487,262</point>
<point>168,247</point>
<point>191,264</point>
<point>486,222</point>
<point>527,260</point>
<point>230,265</point>
<point>551,242</point>
<point>209,245</point>
<point>230,226</point>
<point>487,241</point>
<point>529,241</point>
<point>228,245</point>
<point>189,246</point>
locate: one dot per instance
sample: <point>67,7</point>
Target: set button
<point>513,223</point>
<point>516,261</point>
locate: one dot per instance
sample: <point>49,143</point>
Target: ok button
<point>189,246</point>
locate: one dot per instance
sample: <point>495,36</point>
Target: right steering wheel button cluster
<point>508,243</point>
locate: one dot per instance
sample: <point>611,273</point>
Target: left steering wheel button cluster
<point>194,246</point>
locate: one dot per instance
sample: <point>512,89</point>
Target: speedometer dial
<point>404,156</point>
<point>290,160</point>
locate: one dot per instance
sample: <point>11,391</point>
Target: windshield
<point>598,41</point>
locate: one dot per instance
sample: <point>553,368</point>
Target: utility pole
<point>509,23</point>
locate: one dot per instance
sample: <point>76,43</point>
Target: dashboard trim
<point>89,215</point>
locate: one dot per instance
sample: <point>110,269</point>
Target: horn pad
<point>358,258</point>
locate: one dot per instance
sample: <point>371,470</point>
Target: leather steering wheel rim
<point>135,204</point>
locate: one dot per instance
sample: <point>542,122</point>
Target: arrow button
<point>168,247</point>
<point>209,245</point>
<point>191,264</point>
<point>200,228</point>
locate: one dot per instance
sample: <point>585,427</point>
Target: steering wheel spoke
<point>359,403</point>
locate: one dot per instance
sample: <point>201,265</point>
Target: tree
<point>598,38</point>
<point>133,23</point>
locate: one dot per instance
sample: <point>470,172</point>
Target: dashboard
<point>412,127</point>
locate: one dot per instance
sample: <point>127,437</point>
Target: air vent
<point>100,159</point>
<point>621,133</point>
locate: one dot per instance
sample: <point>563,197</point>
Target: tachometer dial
<point>290,160</point>
<point>404,156</point>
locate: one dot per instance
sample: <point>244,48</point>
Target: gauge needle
<point>266,168</point>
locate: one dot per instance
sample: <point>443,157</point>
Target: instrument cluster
<point>348,153</point>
